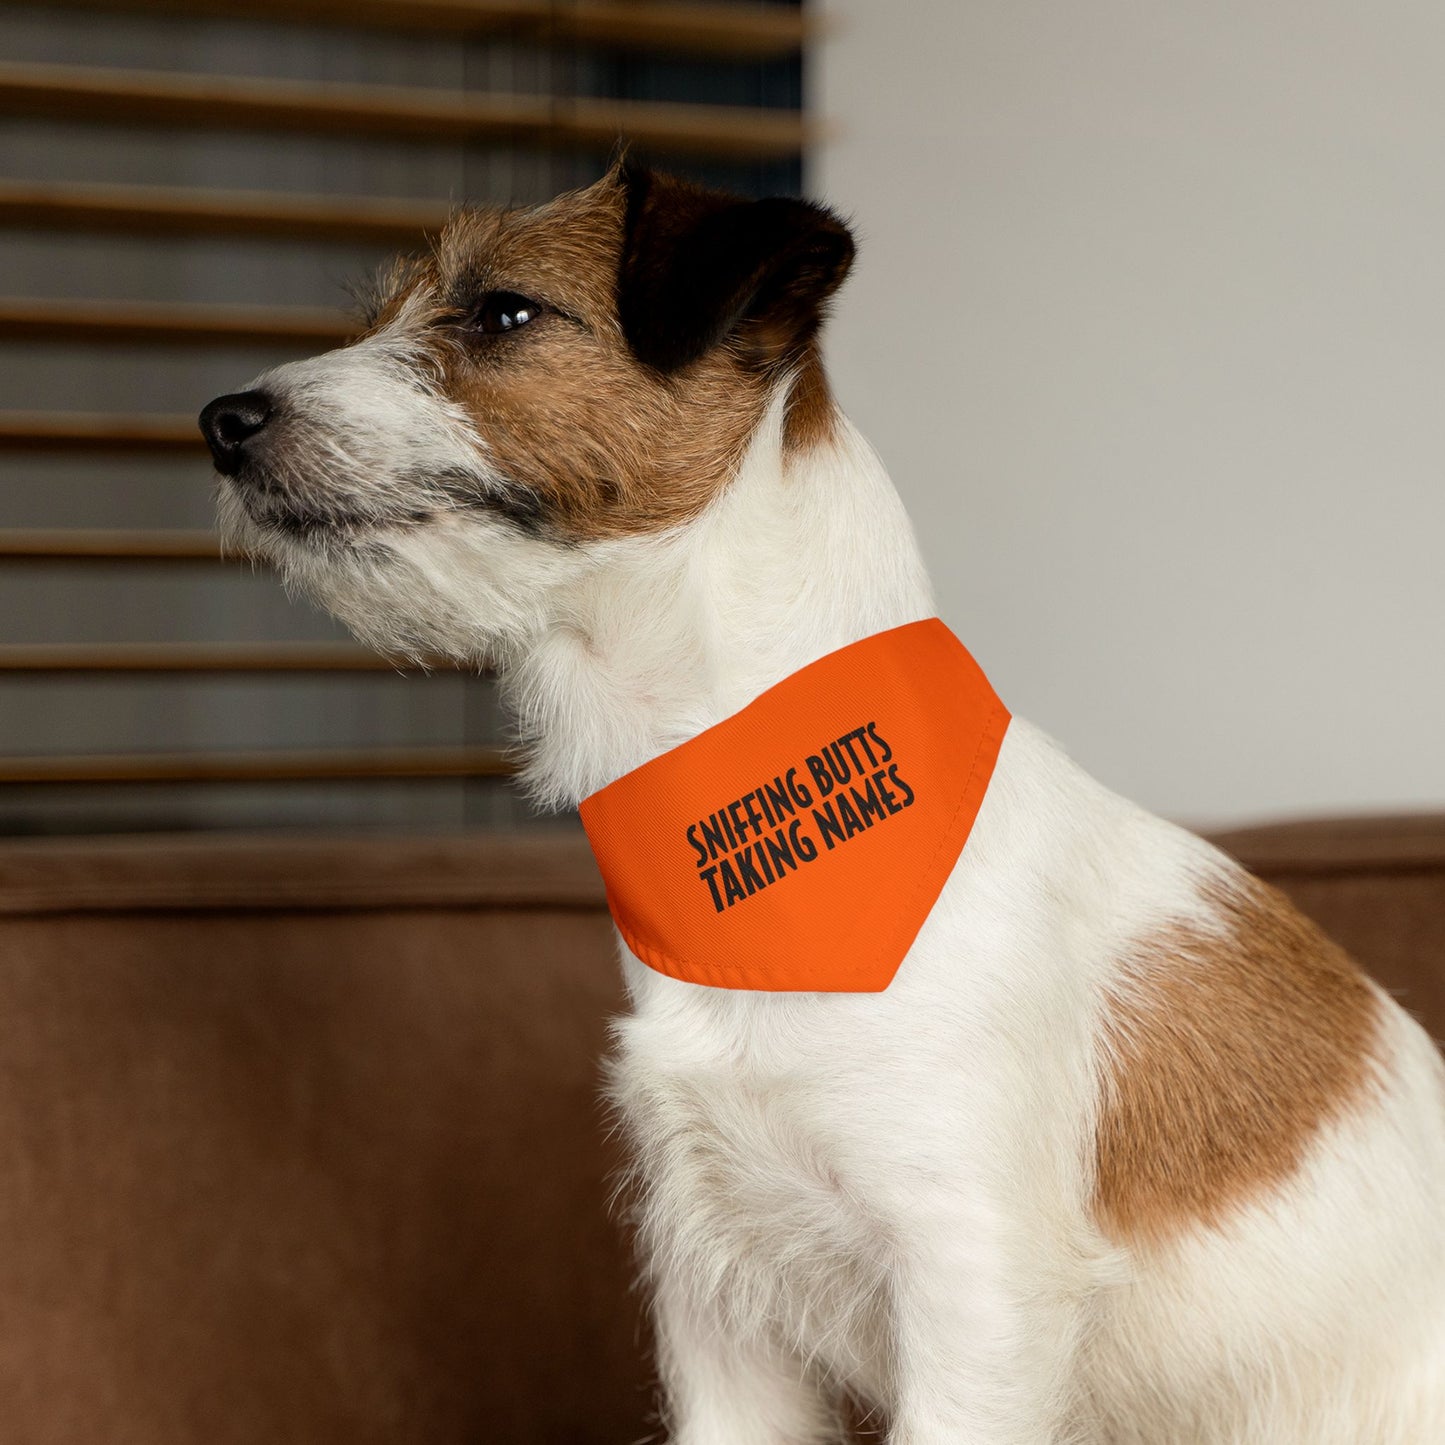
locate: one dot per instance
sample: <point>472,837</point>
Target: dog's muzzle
<point>231,422</point>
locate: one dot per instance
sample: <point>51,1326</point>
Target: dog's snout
<point>229,422</point>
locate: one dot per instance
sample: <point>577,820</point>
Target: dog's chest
<point>746,1190</point>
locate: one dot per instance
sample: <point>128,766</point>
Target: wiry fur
<point>895,1195</point>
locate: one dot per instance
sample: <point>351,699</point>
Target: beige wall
<point>1149,323</point>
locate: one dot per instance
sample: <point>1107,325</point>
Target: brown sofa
<point>302,1142</point>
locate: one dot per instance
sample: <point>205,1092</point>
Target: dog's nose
<point>229,422</point>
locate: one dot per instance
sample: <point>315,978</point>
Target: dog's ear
<point>699,266</point>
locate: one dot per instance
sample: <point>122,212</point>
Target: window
<point>185,193</point>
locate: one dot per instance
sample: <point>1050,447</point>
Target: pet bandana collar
<point>800,843</point>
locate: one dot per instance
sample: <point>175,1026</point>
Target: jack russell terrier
<point>956,1086</point>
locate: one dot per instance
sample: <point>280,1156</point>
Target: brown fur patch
<point>811,415</point>
<point>1227,1052</point>
<point>605,445</point>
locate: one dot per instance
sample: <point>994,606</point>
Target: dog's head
<point>545,382</point>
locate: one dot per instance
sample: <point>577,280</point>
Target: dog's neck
<point>667,635</point>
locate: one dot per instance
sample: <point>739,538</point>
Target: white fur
<point>889,1193</point>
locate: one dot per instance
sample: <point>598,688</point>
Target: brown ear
<point>699,266</point>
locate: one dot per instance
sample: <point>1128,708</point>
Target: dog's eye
<point>504,311</point>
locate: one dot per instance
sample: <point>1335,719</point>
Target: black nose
<point>229,422</point>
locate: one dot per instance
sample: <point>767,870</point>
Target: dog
<point>1126,1153</point>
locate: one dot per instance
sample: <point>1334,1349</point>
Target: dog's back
<point>1131,1071</point>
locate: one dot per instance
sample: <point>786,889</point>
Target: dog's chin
<point>334,558</point>
<point>260,516</point>
<point>455,586</point>
<point>240,533</point>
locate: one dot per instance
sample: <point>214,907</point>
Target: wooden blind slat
<point>329,765</point>
<point>762,32</point>
<point>83,544</point>
<point>98,432</point>
<point>172,323</point>
<point>173,211</point>
<point>173,657</point>
<point>78,431</point>
<point>755,32</point>
<point>219,102</point>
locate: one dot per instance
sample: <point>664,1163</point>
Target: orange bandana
<point>800,843</point>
